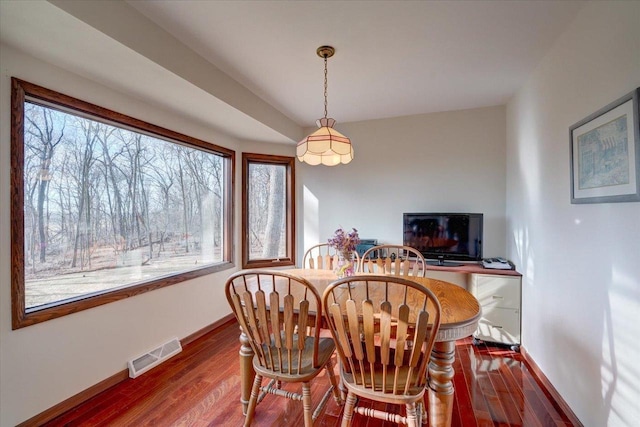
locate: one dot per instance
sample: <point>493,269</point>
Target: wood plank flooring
<point>201,387</point>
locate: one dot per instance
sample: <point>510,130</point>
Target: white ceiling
<point>393,58</point>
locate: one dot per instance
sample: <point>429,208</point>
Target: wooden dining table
<point>460,312</point>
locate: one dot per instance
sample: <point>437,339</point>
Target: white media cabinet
<point>499,293</point>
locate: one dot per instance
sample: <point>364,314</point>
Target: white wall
<point>45,364</point>
<point>445,162</point>
<point>581,263</point>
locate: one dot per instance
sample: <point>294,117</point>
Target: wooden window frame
<point>22,316</point>
<point>289,163</point>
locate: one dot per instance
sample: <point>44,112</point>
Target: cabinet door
<point>500,325</point>
<point>498,291</point>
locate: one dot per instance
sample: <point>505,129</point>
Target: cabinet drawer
<point>497,291</point>
<point>500,325</point>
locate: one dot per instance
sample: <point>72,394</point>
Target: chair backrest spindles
<point>383,338</point>
<point>274,309</point>
<point>325,257</point>
<point>397,260</point>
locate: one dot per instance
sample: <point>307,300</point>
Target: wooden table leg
<point>440,384</point>
<point>246,370</point>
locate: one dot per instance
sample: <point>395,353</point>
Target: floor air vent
<point>143,363</point>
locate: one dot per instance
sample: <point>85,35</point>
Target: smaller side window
<point>268,211</point>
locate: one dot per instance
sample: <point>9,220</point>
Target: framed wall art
<point>605,154</point>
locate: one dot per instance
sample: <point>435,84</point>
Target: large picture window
<point>105,206</point>
<point>268,211</point>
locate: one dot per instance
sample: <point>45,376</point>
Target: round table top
<point>460,311</point>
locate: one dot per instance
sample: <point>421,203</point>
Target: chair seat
<point>326,347</point>
<point>349,378</point>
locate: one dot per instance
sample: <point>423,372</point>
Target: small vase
<point>344,267</point>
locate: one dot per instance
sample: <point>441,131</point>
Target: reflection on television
<point>442,236</point>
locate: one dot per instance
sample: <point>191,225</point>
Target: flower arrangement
<point>343,241</point>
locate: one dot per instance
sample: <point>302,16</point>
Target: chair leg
<point>337,396</point>
<point>420,413</point>
<point>412,420</point>
<point>343,391</point>
<point>253,400</point>
<point>349,406</point>
<point>306,403</point>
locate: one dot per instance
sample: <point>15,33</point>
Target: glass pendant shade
<point>326,146</point>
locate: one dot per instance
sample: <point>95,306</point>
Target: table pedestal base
<point>440,384</point>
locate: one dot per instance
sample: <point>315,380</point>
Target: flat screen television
<point>444,236</point>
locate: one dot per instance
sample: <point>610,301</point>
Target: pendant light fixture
<point>325,146</point>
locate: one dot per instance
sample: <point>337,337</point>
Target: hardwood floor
<point>201,387</point>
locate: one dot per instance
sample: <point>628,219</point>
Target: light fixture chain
<point>325,86</point>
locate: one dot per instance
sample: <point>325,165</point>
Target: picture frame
<point>605,154</point>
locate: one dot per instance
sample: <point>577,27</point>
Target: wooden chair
<point>376,360</point>
<point>323,256</point>
<point>393,259</point>
<point>281,316</point>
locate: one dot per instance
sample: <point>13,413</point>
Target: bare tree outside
<point>46,134</point>
<point>267,211</point>
<point>106,207</point>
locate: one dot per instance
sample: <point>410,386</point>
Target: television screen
<point>444,236</point>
